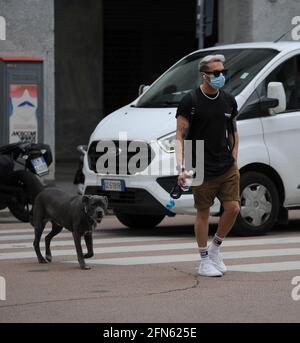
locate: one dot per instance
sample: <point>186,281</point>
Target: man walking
<point>210,116</point>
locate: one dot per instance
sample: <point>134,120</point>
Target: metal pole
<point>200,23</point>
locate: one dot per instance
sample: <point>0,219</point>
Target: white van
<point>265,79</point>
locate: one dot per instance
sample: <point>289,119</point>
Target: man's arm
<point>236,140</point>
<point>181,132</point>
<point>236,146</point>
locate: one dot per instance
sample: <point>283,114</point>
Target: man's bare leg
<point>226,222</point>
<point>201,227</point>
<point>228,218</point>
<point>206,267</point>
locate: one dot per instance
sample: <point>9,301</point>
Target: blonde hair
<point>203,64</point>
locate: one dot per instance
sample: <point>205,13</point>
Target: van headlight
<point>168,142</point>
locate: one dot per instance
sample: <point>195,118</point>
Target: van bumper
<point>132,201</point>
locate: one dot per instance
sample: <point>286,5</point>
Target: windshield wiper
<point>171,102</point>
<point>157,104</point>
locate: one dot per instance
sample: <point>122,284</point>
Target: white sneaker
<point>217,261</point>
<point>207,268</point>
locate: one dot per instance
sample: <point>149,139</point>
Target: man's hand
<point>181,179</point>
<point>183,176</point>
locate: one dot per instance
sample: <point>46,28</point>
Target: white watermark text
<point>296,29</point>
<point>296,290</point>
<point>2,288</point>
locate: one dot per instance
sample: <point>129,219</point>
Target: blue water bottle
<point>170,204</point>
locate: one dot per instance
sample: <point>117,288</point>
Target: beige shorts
<point>225,187</point>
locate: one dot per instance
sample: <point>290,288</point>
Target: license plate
<point>40,166</point>
<point>113,185</point>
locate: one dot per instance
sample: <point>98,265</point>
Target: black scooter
<point>79,176</point>
<point>20,166</point>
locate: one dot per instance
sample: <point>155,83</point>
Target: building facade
<point>256,20</point>
<point>27,30</point>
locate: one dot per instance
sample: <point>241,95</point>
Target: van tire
<point>139,221</point>
<point>258,196</point>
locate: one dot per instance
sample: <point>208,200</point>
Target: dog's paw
<point>42,261</point>
<point>49,258</point>
<point>88,255</point>
<point>85,267</point>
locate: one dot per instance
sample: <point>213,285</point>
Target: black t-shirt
<point>209,122</point>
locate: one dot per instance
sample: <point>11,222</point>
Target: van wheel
<point>139,221</point>
<point>259,205</point>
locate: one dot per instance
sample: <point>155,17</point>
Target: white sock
<point>203,253</point>
<point>216,244</point>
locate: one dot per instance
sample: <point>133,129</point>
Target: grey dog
<point>78,214</point>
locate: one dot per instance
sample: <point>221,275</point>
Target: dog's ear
<point>86,199</point>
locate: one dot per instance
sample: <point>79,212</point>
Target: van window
<point>242,64</point>
<point>289,74</point>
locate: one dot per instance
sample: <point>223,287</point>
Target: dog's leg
<point>38,231</point>
<point>56,229</point>
<point>89,244</point>
<point>77,241</point>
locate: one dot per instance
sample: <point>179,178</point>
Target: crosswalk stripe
<point>27,237</point>
<point>62,243</point>
<point>21,240</point>
<point>104,250</point>
<point>105,240</point>
<point>2,232</point>
<point>257,267</point>
<point>157,247</point>
<point>228,242</point>
<point>195,257</point>
<point>266,267</point>
<point>127,261</point>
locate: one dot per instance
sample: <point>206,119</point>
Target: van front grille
<point>119,157</point>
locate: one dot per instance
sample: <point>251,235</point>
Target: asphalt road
<point>150,276</point>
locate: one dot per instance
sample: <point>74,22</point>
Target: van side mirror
<point>276,91</point>
<point>143,88</point>
<point>267,103</point>
<point>257,108</point>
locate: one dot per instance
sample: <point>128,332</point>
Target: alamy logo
<point>296,290</point>
<point>123,157</point>
<point>2,28</point>
<point>296,29</point>
<point>2,289</point>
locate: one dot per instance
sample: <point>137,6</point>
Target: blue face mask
<point>217,82</point>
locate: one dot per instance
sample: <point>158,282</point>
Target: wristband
<point>180,169</point>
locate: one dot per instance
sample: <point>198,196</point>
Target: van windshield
<point>242,64</point>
